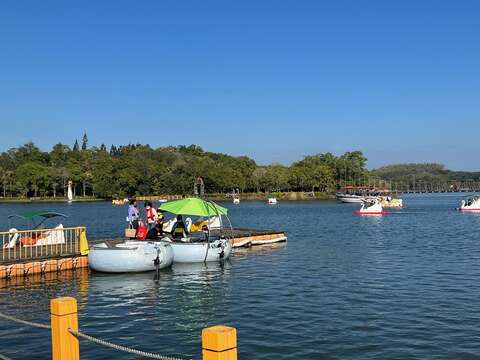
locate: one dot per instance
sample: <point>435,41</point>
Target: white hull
<point>372,207</point>
<point>471,204</point>
<point>130,256</point>
<point>192,252</point>
<point>347,198</point>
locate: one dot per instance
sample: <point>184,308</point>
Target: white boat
<point>391,202</point>
<point>349,198</point>
<point>470,204</point>
<point>199,245</point>
<point>236,200</point>
<point>130,256</point>
<point>371,207</point>
<point>186,251</point>
<point>272,201</point>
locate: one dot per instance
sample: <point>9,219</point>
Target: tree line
<point>135,169</point>
<point>418,176</point>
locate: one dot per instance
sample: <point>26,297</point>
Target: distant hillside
<point>426,173</point>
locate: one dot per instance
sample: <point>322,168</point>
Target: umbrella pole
<point>208,212</point>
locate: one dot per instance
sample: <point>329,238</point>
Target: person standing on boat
<point>151,215</point>
<point>179,229</point>
<point>133,214</point>
<point>160,220</point>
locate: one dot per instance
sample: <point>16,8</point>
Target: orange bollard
<point>219,343</point>
<point>64,316</point>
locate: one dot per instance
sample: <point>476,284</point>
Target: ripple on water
<point>402,286</point>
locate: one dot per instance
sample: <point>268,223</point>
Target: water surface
<point>403,286</point>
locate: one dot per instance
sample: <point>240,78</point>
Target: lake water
<point>403,286</point>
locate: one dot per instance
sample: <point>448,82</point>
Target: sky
<point>274,80</point>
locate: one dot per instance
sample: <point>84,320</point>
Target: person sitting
<point>179,229</point>
<point>205,232</point>
<point>160,221</point>
<point>155,233</point>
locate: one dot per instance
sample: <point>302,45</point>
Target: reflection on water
<point>343,287</point>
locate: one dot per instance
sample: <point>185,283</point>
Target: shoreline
<point>289,196</point>
<point>47,200</point>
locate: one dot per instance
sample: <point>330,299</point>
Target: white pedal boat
<point>186,251</point>
<point>470,204</point>
<point>130,256</point>
<point>371,207</point>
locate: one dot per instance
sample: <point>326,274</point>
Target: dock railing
<point>24,245</point>
<point>218,342</point>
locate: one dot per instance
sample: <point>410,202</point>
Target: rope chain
<point>110,345</point>
<point>25,322</point>
<point>78,334</point>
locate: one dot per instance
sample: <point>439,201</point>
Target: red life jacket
<point>141,231</point>
<point>150,215</point>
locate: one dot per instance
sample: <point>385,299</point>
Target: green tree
<point>84,142</point>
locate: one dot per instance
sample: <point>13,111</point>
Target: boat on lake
<point>371,207</point>
<point>272,201</point>
<point>200,245</point>
<point>391,202</point>
<point>187,250</point>
<point>130,256</point>
<point>349,198</point>
<point>470,204</point>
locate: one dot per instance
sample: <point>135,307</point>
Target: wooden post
<point>64,316</point>
<point>219,343</point>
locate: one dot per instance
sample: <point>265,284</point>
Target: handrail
<point>41,230</point>
<point>42,243</point>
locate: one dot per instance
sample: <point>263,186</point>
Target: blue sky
<point>274,80</point>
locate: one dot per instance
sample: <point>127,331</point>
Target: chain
<point>110,345</point>
<point>78,334</point>
<point>25,322</point>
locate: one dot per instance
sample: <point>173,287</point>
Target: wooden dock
<point>243,237</point>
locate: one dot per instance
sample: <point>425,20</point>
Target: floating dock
<point>21,260</point>
<point>30,252</point>
<point>243,237</point>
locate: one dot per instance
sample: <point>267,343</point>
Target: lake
<point>402,286</point>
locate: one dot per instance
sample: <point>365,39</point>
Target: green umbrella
<point>193,206</point>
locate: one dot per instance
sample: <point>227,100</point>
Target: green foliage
<point>412,175</point>
<point>84,142</point>
<point>76,147</point>
<point>136,169</point>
